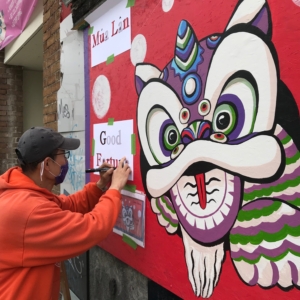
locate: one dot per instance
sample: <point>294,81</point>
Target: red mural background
<point>162,259</point>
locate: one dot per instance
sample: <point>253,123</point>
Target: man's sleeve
<point>82,201</point>
<point>52,234</point>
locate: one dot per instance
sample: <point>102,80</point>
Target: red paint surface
<point>163,258</point>
<point>65,11</point>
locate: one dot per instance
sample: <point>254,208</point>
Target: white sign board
<point>112,142</point>
<point>111,30</point>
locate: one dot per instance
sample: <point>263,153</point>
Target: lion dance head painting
<point>219,135</point>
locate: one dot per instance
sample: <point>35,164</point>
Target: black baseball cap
<point>37,143</point>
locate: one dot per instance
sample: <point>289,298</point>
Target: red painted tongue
<point>200,179</point>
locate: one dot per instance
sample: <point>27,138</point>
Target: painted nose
<point>196,131</point>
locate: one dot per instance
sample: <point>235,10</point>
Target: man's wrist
<point>101,186</point>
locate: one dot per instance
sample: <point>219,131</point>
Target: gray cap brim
<point>70,144</point>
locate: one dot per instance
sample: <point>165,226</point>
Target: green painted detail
<point>129,241</point>
<point>247,215</point>
<point>93,147</point>
<point>110,59</point>
<point>286,140</point>
<point>264,236</point>
<point>295,202</point>
<point>154,156</point>
<point>110,121</point>
<point>272,189</point>
<point>167,205</point>
<point>277,258</point>
<point>130,188</point>
<point>133,144</point>
<point>195,125</point>
<point>187,67</point>
<point>231,112</point>
<point>165,218</point>
<point>291,160</point>
<point>182,46</point>
<point>170,144</point>
<point>91,30</point>
<point>130,3</point>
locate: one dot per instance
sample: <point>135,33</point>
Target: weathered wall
<point>51,68</point>
<point>11,112</point>
<point>81,8</point>
<point>112,279</point>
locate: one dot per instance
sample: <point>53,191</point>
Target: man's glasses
<point>66,154</point>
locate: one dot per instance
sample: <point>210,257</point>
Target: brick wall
<point>51,67</point>
<point>11,112</point>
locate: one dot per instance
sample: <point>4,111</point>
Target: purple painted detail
<point>282,179</point>
<point>291,150</point>
<point>286,245</point>
<point>139,84</point>
<point>165,74</point>
<point>217,232</point>
<point>165,152</point>
<point>269,227</point>
<point>294,272</point>
<point>236,102</point>
<point>187,136</point>
<point>262,203</point>
<point>243,139</point>
<point>282,134</point>
<point>184,54</point>
<point>262,21</point>
<point>275,272</point>
<point>254,280</point>
<point>87,103</point>
<point>176,81</point>
<point>211,44</point>
<point>165,212</point>
<point>169,202</point>
<point>290,197</point>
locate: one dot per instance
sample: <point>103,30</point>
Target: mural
<point>219,135</point>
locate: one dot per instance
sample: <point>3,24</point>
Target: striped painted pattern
<point>165,212</point>
<point>265,243</point>
<point>186,47</point>
<point>286,187</point>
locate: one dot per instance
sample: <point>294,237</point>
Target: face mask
<point>63,172</point>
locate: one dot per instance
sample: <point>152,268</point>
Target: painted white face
<point>205,124</point>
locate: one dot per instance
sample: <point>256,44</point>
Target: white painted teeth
<point>219,188</point>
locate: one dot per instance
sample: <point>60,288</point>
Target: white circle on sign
<point>297,2</point>
<point>101,95</point>
<point>138,49</point>
<point>167,5</point>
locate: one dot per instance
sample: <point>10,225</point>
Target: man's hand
<point>105,177</point>
<point>120,175</point>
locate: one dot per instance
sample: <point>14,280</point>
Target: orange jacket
<point>39,229</point>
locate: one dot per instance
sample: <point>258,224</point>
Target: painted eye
<point>224,119</point>
<point>184,115</point>
<point>204,107</point>
<point>171,137</point>
<point>163,135</point>
<point>236,109</point>
<point>176,151</point>
<point>219,137</point>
